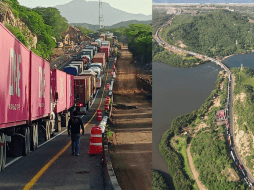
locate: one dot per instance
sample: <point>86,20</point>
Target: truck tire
<point>64,120</point>
<point>3,140</point>
<point>34,137</point>
<point>48,130</point>
<point>26,147</point>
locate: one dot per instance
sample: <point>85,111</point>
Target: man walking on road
<point>74,126</point>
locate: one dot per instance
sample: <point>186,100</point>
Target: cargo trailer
<point>100,58</point>
<point>29,98</point>
<point>93,76</point>
<point>83,92</point>
<point>105,49</point>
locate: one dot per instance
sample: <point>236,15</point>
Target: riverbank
<point>175,59</point>
<point>186,125</point>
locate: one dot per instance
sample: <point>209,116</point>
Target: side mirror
<point>56,96</point>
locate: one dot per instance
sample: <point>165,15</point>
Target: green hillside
<point>45,23</point>
<point>118,25</point>
<point>219,33</point>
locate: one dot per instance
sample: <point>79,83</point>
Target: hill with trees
<point>220,33</point>
<point>118,25</point>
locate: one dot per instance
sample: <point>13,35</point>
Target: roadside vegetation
<point>139,39</point>
<point>219,33</point>
<point>45,23</point>
<point>85,30</point>
<point>158,182</point>
<point>208,148</point>
<point>160,16</point>
<point>173,59</point>
<point>244,109</point>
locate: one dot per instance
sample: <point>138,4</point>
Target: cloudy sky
<point>130,6</point>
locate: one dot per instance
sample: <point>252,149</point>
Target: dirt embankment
<point>131,149</point>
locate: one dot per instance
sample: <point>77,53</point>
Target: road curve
<point>244,173</point>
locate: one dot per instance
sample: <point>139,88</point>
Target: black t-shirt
<point>74,125</point>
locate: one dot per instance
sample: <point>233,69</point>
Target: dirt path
<point>193,170</point>
<point>132,150</point>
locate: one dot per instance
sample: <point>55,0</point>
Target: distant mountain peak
<point>81,11</point>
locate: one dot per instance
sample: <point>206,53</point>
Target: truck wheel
<point>34,137</point>
<point>2,152</point>
<point>48,132</point>
<point>26,147</point>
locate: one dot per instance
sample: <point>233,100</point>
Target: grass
<point>180,145</point>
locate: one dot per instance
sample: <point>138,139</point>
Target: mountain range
<point>81,11</point>
<point>124,23</point>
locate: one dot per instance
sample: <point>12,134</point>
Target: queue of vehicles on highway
<point>37,101</point>
<point>232,153</point>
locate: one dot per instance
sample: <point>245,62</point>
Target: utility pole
<point>100,16</point>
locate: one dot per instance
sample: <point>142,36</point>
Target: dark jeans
<point>75,139</point>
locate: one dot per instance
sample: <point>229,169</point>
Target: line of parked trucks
<point>36,101</point>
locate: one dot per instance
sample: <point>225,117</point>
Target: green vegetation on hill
<point>211,159</point>
<point>85,30</point>
<point>158,181</point>
<point>140,41</point>
<point>53,18</point>
<point>219,33</point>
<point>118,25</point>
<point>162,55</point>
<point>45,23</point>
<point>244,80</point>
<point>37,26</point>
<point>208,148</point>
<point>159,18</point>
<point>17,32</point>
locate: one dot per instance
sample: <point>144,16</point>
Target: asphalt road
<point>66,172</point>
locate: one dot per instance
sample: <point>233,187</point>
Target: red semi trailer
<point>100,58</point>
<point>83,93</point>
<point>28,102</point>
<point>105,49</point>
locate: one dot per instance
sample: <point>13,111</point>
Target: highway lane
<point>67,172</point>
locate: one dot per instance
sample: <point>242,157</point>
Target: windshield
<point>95,66</point>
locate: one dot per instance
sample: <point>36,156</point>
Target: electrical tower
<point>100,15</point>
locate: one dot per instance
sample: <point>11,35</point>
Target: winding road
<point>248,179</point>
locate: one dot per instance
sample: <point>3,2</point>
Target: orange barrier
<point>106,105</point>
<point>99,115</point>
<point>95,141</point>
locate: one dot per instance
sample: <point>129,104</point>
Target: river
<point>177,91</point>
